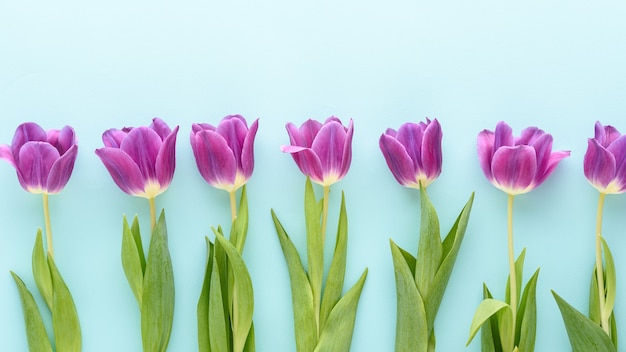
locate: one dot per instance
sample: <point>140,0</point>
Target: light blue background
<point>558,65</point>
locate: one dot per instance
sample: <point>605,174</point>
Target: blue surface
<point>558,65</point>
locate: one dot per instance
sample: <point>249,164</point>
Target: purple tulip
<point>413,153</point>
<point>43,160</point>
<point>322,151</point>
<point>605,160</point>
<point>225,154</point>
<point>141,160</point>
<point>517,165</point>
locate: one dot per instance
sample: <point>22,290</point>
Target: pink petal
<point>410,135</point>
<point>197,127</point>
<point>143,144</point>
<point>234,130</point>
<point>123,170</point>
<point>618,149</point>
<point>214,159</point>
<point>554,160</point>
<point>503,136</point>
<point>514,168</point>
<point>543,150</point>
<point>7,154</point>
<point>486,139</point>
<point>160,127</point>
<point>329,146</point>
<point>347,151</point>
<point>431,150</point>
<point>529,136</point>
<point>113,138</point>
<point>62,170</point>
<point>66,139</point>
<point>599,165</point>
<point>34,164</point>
<point>166,160</point>
<point>398,160</point>
<point>24,133</point>
<point>247,153</point>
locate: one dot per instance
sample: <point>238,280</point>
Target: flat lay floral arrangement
<point>142,161</point>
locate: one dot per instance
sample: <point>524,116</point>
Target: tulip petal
<point>197,127</point>
<point>34,164</point>
<point>329,145</point>
<point>123,170</point>
<point>113,138</point>
<point>514,168</point>
<point>618,150</point>
<point>309,164</point>
<point>234,129</point>
<point>25,133</point>
<point>160,127</point>
<point>503,136</point>
<point>7,154</point>
<point>143,144</point>
<point>398,161</point>
<point>599,165</point>
<point>346,160</point>
<point>431,150</point>
<point>214,159</point>
<point>305,135</point>
<point>65,139</point>
<point>166,160</point>
<point>554,160</point>
<point>606,135</point>
<point>247,153</point>
<point>529,136</point>
<point>410,135</point>
<point>486,140</point>
<point>62,170</point>
<point>543,149</point>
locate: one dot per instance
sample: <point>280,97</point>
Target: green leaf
<point>157,310</point>
<point>239,230</point>
<point>584,334</point>
<point>35,329</point>
<point>432,342</point>
<point>429,249</point>
<point>410,261</point>
<point>250,347</point>
<point>243,294</point>
<point>302,297</point>
<point>337,271</point>
<point>526,325</point>
<point>204,344</point>
<point>506,329</point>
<point>613,330</point>
<point>594,300</point>
<point>486,309</point>
<point>411,323</point>
<point>519,272</point>
<point>337,335</point>
<point>450,250</point>
<point>41,271</point>
<point>315,244</point>
<point>134,229</point>
<point>490,336</point>
<point>218,321</point>
<point>132,260</point>
<point>610,280</point>
<point>65,322</point>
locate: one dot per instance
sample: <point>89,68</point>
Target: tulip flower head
<point>605,160</point>
<point>413,153</point>
<point>322,151</point>
<point>225,154</point>
<point>141,160</point>
<point>43,160</point>
<point>517,165</point>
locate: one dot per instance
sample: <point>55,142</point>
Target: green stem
<point>152,213</point>
<point>325,213</point>
<point>46,215</point>
<point>235,301</point>
<point>604,319</point>
<point>512,275</point>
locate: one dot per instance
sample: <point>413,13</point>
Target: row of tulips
<point>141,162</point>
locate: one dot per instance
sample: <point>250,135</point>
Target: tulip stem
<point>604,319</point>
<point>233,204</point>
<point>512,275</point>
<point>46,215</point>
<point>152,212</point>
<point>325,212</point>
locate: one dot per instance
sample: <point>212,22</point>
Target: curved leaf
<point>243,295</point>
<point>411,322</point>
<point>314,245</point>
<point>486,309</point>
<point>336,274</point>
<point>302,297</point>
<point>204,344</point>
<point>584,334</point>
<point>610,280</point>
<point>35,329</point>
<point>519,273</point>
<point>429,249</point>
<point>132,260</point>
<point>337,335</point>
<point>218,320</point>
<point>489,334</point>
<point>157,311</point>
<point>65,322</point>
<point>526,325</point>
<point>41,271</point>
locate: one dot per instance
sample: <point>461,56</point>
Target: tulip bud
<point>605,160</point>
